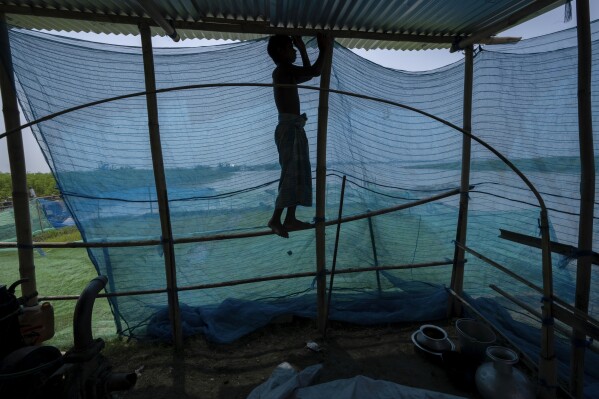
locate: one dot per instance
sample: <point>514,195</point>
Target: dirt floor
<point>231,371</point>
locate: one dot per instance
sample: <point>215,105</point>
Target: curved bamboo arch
<point>341,92</point>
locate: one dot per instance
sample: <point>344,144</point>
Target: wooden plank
<point>558,248</point>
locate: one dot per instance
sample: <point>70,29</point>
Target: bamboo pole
<point>457,274</point>
<point>565,331</point>
<point>161,190</point>
<point>374,254</point>
<point>587,191</point>
<point>18,172</point>
<point>220,237</point>
<point>254,280</point>
<point>111,284</point>
<point>337,234</point>
<point>321,173</point>
<point>559,302</point>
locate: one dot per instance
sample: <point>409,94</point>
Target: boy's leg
<point>291,223</point>
<point>275,223</point>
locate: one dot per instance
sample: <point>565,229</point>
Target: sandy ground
<point>208,370</point>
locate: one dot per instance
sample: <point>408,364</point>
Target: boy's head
<point>280,48</point>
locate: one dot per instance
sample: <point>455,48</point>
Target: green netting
<point>221,168</point>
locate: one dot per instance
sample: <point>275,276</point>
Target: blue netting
<point>221,169</point>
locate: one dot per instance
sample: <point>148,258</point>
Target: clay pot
<point>497,379</point>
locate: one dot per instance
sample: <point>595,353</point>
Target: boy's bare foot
<point>278,228</point>
<point>296,225</point>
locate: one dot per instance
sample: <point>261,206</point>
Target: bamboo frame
<point>538,315</point>
<point>220,237</point>
<point>457,274</point>
<point>547,363</point>
<point>337,234</point>
<point>161,189</point>
<point>558,301</point>
<point>321,181</point>
<point>253,280</point>
<point>16,156</point>
<point>587,189</point>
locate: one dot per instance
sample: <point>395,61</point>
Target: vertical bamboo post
<point>457,274</point>
<point>321,172</point>
<point>374,254</point>
<point>114,300</point>
<point>18,172</point>
<point>161,191</point>
<point>547,361</point>
<point>587,192</point>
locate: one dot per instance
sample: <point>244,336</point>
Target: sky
<point>404,60</point>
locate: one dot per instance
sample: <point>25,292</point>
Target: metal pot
<point>497,379</point>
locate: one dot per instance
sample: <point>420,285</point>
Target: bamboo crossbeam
<point>253,280</point>
<point>559,302</point>
<point>220,237</point>
<point>535,242</point>
<point>590,330</point>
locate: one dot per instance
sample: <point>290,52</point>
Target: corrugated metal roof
<point>398,24</point>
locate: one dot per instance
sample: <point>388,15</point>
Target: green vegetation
<point>43,184</point>
<point>62,271</point>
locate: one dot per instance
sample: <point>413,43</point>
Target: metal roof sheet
<point>390,24</point>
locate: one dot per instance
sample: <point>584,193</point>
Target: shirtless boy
<point>295,184</point>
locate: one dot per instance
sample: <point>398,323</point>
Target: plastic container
<point>474,338</point>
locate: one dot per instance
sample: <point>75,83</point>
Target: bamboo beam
<point>511,20</point>
<point>321,186</point>
<point>457,273</point>
<point>565,317</point>
<point>254,280</point>
<point>220,237</point>
<point>587,190</point>
<point>161,190</point>
<point>558,301</point>
<point>535,242</point>
<point>18,171</point>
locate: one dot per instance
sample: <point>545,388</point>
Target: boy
<point>295,184</point>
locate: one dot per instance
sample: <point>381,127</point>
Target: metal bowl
<point>433,338</point>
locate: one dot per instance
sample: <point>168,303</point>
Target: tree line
<point>43,184</point>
